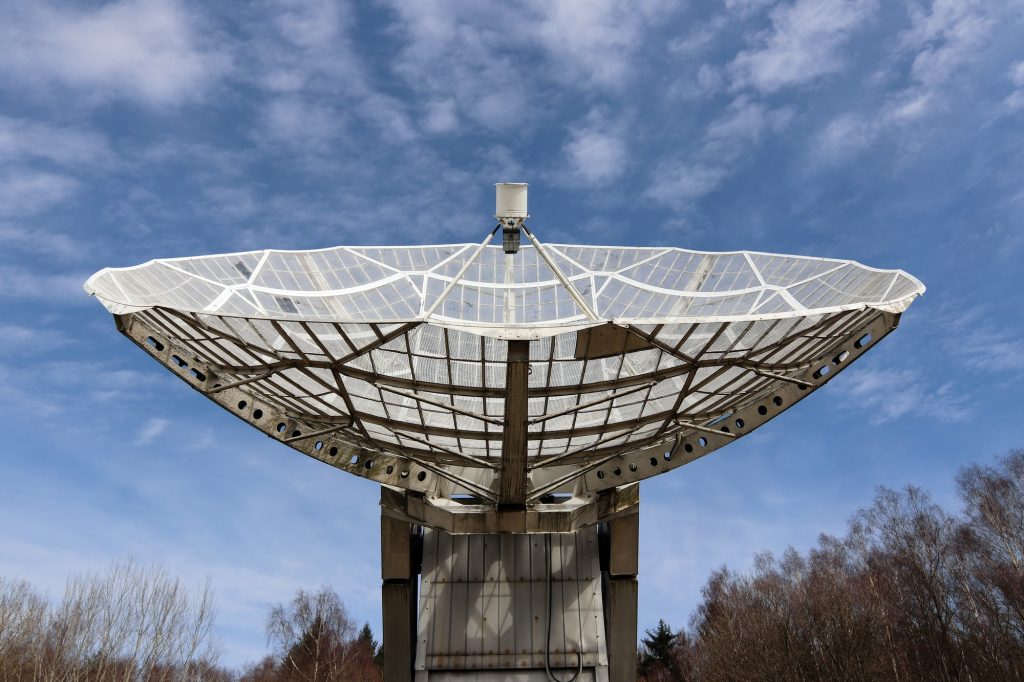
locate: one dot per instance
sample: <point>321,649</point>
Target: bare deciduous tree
<point>315,641</point>
<point>126,625</point>
<point>911,593</point>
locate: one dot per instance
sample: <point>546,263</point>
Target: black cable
<point>547,636</point>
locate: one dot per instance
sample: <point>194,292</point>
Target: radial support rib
<point>512,486</point>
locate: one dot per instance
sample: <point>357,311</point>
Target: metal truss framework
<point>505,384</point>
<point>607,431</point>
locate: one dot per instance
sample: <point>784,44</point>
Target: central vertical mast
<point>512,490</point>
<point>510,210</point>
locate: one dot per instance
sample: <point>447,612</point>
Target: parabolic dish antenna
<point>514,389</point>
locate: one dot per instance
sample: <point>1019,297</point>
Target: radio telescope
<point>508,399</point>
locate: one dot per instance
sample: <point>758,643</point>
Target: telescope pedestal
<point>476,607</point>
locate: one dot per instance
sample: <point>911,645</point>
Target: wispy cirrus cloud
<point>304,60</point>
<point>1014,102</point>
<point>983,340</point>
<point>594,41</point>
<point>41,242</point>
<point>150,430</point>
<point>21,340</point>
<point>727,138</point>
<point>460,53</point>
<point>596,152</point>
<point>24,191</point>
<point>890,394</point>
<point>805,43</point>
<point>943,42</point>
<point>76,147</point>
<point>19,282</point>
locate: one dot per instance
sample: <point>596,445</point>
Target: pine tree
<point>366,637</point>
<point>657,659</point>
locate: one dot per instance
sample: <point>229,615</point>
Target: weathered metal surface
<point>624,544</point>
<point>506,676</point>
<point>607,340</point>
<point>395,549</point>
<point>622,623</point>
<point>460,518</point>
<point>482,602</point>
<point>621,592</point>
<point>398,599</point>
<point>512,481</point>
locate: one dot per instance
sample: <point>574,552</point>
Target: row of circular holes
<point>701,440</point>
<point>333,451</point>
<point>761,409</point>
<point>841,358</point>
<point>258,414</point>
<point>196,374</point>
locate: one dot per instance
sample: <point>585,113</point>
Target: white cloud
<point>744,123</point>
<point>594,40</point>
<point>441,116</point>
<point>595,153</point>
<point>301,122</point>
<point>25,139</point>
<point>483,56</point>
<point>21,340</point>
<point>146,50</point>
<point>804,44</point>
<point>1015,100</point>
<point>894,394</point>
<point>727,140</point>
<point>979,341</point>
<point>707,81</point>
<point>310,24</point>
<point>149,430</point>
<point>26,192</point>
<point>500,162</point>
<point>676,184</point>
<point>233,203</point>
<point>1017,74</point>
<point>700,39</point>
<point>944,40</point>
<point>746,8</point>
<point>19,282</point>
<point>460,52</point>
<point>304,58</point>
<point>946,37</point>
<point>844,137</point>
<point>53,245</point>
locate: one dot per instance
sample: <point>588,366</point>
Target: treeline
<point>136,624</point>
<point>131,623</point>
<point>911,592</point>
<point>314,640</point>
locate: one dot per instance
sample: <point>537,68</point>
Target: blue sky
<point>887,132</point>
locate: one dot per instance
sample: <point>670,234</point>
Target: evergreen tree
<point>365,636</point>
<point>658,660</point>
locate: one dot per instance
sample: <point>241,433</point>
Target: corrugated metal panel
<point>508,676</point>
<point>483,606</point>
